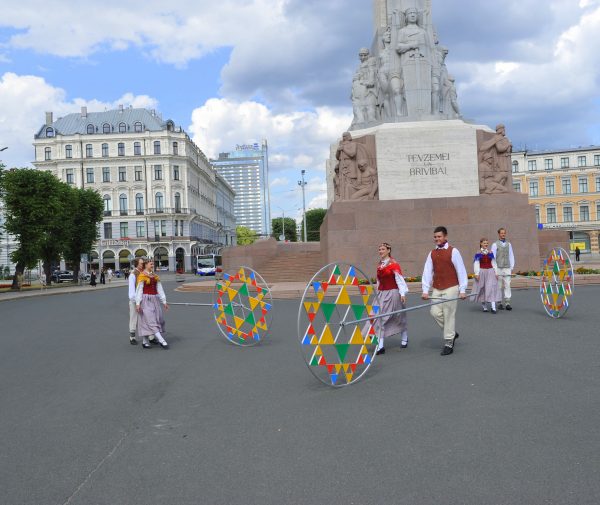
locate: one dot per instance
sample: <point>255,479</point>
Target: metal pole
<point>302,184</point>
<point>410,309</point>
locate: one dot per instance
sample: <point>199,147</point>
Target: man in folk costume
<point>505,261</point>
<point>446,272</point>
<point>132,282</point>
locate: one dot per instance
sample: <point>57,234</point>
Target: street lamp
<point>303,184</point>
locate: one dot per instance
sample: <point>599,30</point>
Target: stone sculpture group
<point>406,79</point>
<point>355,176</point>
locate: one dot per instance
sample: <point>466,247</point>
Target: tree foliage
<point>291,234</point>
<point>245,236</point>
<point>314,220</point>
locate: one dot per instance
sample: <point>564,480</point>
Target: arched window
<point>105,150</point>
<point>121,149</point>
<point>107,205</point>
<point>158,198</point>
<point>47,153</point>
<point>123,204</point>
<point>515,167</point>
<point>157,147</point>
<point>139,204</point>
<point>137,127</point>
<point>105,128</point>
<point>122,128</point>
<point>49,132</point>
<point>90,129</point>
<point>177,202</point>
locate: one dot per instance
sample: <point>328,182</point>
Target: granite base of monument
<point>352,231</point>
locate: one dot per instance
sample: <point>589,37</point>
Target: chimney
<point>83,111</point>
<point>121,108</point>
<point>49,119</point>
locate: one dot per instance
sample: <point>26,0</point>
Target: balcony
<point>175,210</point>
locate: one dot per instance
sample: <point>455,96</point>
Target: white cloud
<point>23,101</point>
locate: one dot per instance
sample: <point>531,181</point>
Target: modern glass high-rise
<point>246,169</point>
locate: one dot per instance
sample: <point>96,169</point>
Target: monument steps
<point>292,267</point>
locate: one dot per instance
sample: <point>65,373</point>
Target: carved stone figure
<point>356,171</point>
<point>494,161</point>
<point>391,100</point>
<point>364,94</point>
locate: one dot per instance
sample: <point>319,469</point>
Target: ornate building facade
<point>564,186</point>
<point>162,198</point>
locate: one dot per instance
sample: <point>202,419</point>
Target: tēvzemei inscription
<point>428,164</point>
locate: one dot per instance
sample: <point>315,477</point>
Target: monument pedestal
<point>352,231</point>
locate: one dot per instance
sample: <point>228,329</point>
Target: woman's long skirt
<point>150,318</point>
<point>390,302</point>
<point>487,287</point>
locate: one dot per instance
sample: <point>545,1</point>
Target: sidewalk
<point>16,295</point>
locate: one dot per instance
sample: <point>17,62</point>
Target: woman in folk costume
<point>392,292</point>
<point>486,277</point>
<point>149,296</point>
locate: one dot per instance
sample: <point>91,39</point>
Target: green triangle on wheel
<point>328,309</point>
<point>243,290</point>
<point>342,350</point>
<point>315,361</point>
<point>358,310</point>
<point>561,290</point>
<point>337,270</point>
<point>556,268</point>
<point>229,310</point>
<point>250,319</point>
<point>549,290</point>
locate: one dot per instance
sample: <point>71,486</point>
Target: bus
<point>208,264</point>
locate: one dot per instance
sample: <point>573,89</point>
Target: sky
<point>239,71</point>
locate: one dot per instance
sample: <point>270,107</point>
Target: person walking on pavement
<point>109,274</point>
<point>505,261</point>
<point>102,277</point>
<point>93,278</point>
<point>133,316</point>
<point>577,253</point>
<point>445,271</point>
<point>149,296</point>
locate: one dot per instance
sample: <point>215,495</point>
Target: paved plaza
<point>87,419</point>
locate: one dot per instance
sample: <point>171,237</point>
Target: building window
<point>177,202</point>
<point>49,132</point>
<point>158,199</point>
<point>140,229</point>
<point>515,167</point>
<point>137,149</point>
<point>163,228</point>
<point>89,151</point>
<point>107,230</point>
<point>533,188</point>
<point>123,204</point>
<point>105,128</point>
<point>121,149</point>
<point>137,127</point>
<point>122,174</point>
<point>122,128</point>
<point>581,161</point>
<point>175,172</point>
<point>138,173</point>
<point>106,174</point>
<point>105,150</point>
<point>68,151</point>
<point>175,149</point>
<point>158,172</point>
<point>47,154</point>
<point>549,187</point>
<point>564,163</point>
<point>90,129</point>
<point>157,147</point>
<point>139,204</point>
<point>583,185</point>
<point>532,165</point>
<point>124,229</point>
<point>567,214</point>
<point>537,215</point>
<point>517,186</point>
<point>69,174</point>
<point>566,186</point>
<point>597,160</point>
<point>89,175</point>
<point>597,184</point>
<point>549,164</point>
<point>598,211</point>
<point>181,228</point>
<point>107,205</point>
<point>584,213</point>
<point>551,215</point>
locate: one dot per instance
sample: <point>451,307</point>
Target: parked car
<point>62,276</point>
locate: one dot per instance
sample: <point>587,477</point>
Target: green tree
<point>245,236</point>
<point>34,213</point>
<point>314,220</point>
<point>291,234</point>
<point>83,226</point>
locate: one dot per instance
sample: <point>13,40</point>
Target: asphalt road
<point>512,417</point>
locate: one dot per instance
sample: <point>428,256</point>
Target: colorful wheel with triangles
<point>242,305</point>
<point>558,283</point>
<point>338,355</point>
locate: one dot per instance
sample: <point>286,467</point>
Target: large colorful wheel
<point>338,355</point>
<point>242,305</point>
<point>558,283</point>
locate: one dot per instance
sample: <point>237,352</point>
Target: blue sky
<point>237,71</point>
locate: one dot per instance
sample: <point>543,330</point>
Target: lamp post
<point>303,184</point>
<point>7,251</point>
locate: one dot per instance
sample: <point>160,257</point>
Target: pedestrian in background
<point>93,278</point>
<point>102,277</point>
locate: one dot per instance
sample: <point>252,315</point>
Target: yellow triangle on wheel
<point>314,340</point>
<point>253,302</point>
<point>349,377</point>
<point>343,298</point>
<point>232,293</point>
<point>326,337</point>
<point>357,337</point>
<point>238,322</point>
<point>318,351</point>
